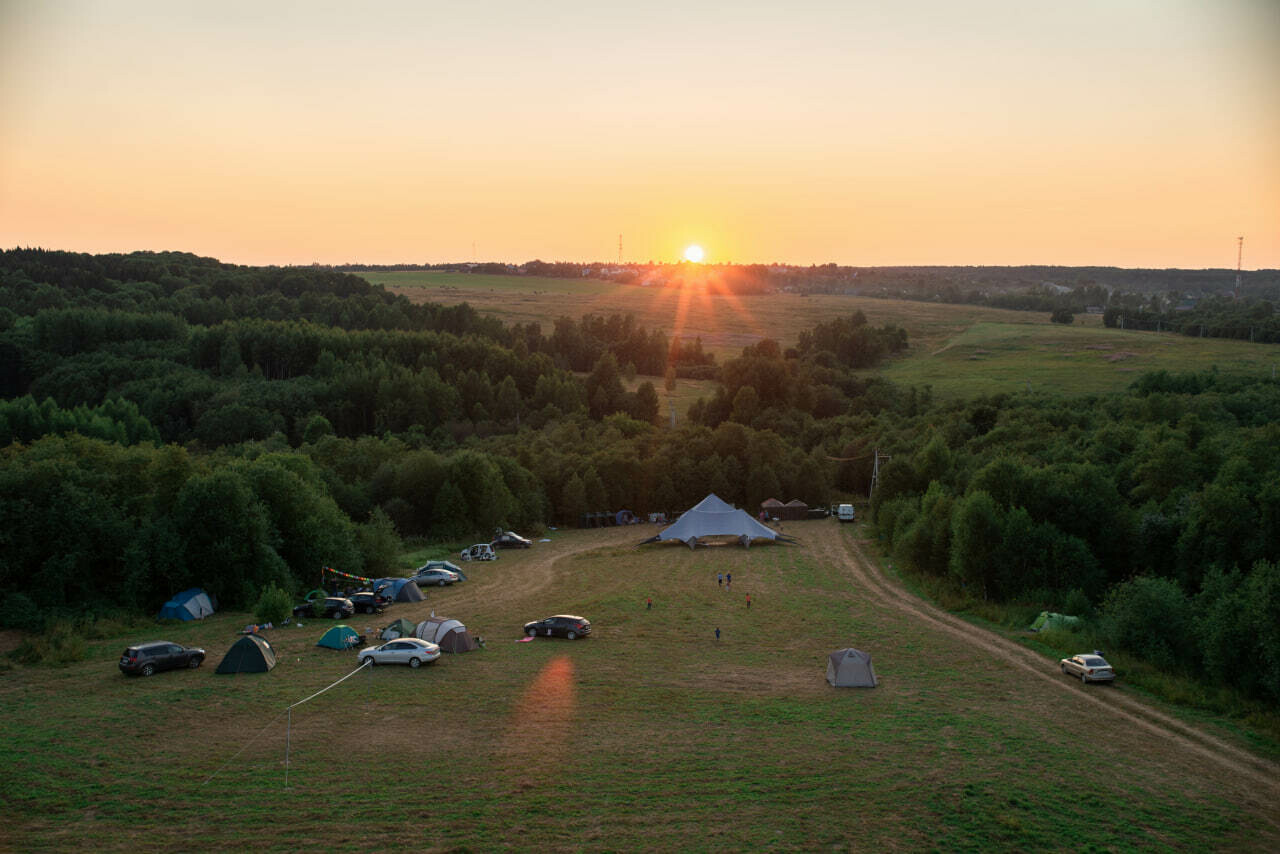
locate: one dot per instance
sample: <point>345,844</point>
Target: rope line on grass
<point>339,682</point>
<point>243,749</point>
<point>271,722</point>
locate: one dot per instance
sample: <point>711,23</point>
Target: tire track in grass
<point>849,554</point>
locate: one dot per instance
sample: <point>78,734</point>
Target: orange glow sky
<point>1111,132</point>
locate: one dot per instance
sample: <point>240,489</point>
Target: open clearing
<point>958,350</point>
<point>648,735</point>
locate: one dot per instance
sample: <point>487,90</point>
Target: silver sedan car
<point>410,651</point>
<point>1090,667</point>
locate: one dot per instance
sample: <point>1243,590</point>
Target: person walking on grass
<point>748,600</point>
<point>719,579</point>
<point>717,633</point>
<point>649,604</point>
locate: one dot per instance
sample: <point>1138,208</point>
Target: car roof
<point>149,644</point>
<point>565,617</point>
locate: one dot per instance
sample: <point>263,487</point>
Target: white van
<point>480,551</point>
<point>845,513</point>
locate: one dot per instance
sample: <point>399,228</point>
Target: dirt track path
<point>518,575</point>
<point>1256,776</point>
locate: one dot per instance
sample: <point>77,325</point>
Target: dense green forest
<point>169,421</point>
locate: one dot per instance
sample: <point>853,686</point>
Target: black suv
<point>562,625</point>
<point>334,606</point>
<point>367,602</point>
<point>147,658</point>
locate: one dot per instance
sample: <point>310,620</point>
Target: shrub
<point>1150,617</point>
<point>17,611</point>
<point>274,605</point>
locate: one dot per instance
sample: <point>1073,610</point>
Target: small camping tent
<point>850,668</point>
<point>451,635</point>
<point>401,628</point>
<point>399,589</point>
<point>712,517</point>
<point>795,509</point>
<point>250,654</point>
<point>193,604</point>
<point>772,508</point>
<point>340,637</point>
<point>1048,620</point>
<point>440,564</point>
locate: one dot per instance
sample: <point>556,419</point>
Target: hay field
<point>726,323</point>
<point>649,735</point>
<point>997,358</point>
<point>958,350</point>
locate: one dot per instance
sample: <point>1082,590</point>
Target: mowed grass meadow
<point>959,351</point>
<point>649,735</point>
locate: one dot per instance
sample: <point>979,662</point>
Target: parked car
<point>440,577</point>
<point>561,625</point>
<point>145,659</point>
<point>336,607</point>
<point>510,540</point>
<point>480,551</point>
<point>1090,667</point>
<point>410,651</point>
<point>367,602</point>
<point>845,513</point>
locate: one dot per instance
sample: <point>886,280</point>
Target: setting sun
<point>694,253</point>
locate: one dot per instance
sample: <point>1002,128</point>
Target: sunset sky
<point>1135,133</point>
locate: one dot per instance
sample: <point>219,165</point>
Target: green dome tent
<point>250,654</point>
<point>401,628</point>
<point>1048,620</point>
<point>340,637</point>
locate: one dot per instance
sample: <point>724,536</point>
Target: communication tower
<point>1239,258</point>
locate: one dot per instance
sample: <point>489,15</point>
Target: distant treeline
<point>1215,317</point>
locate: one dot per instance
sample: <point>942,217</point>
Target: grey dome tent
<point>850,668</point>
<point>712,517</point>
<point>451,635</point>
<point>250,654</point>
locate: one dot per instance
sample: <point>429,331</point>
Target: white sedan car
<point>1090,667</point>
<point>410,651</point>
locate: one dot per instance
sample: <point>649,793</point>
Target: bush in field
<point>274,605</point>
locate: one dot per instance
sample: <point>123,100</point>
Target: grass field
<point>649,735</point>
<point>959,350</point>
<point>995,358</point>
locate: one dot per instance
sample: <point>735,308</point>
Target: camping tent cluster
<point>713,517</point>
<point>792,510</point>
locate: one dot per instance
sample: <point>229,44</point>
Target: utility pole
<point>875,470</point>
<point>619,250</point>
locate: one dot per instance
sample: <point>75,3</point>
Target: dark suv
<point>147,658</point>
<point>367,602</point>
<point>563,625</point>
<point>334,606</point>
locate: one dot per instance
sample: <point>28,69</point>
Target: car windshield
<point>1094,661</point>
